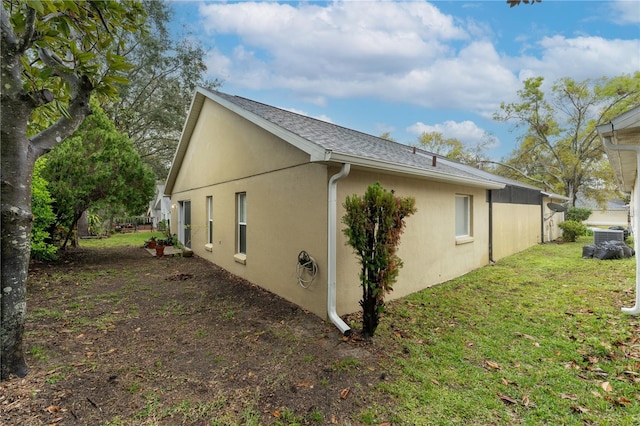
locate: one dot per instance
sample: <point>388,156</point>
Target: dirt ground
<point>116,336</point>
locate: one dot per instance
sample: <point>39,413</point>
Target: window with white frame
<point>209,220</point>
<point>242,222</point>
<point>463,215</point>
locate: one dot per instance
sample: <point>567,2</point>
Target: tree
<point>153,106</point>
<point>560,149</point>
<point>454,149</point>
<point>387,136</point>
<point>54,55</point>
<point>513,3</point>
<point>43,215</point>
<point>97,166</point>
<point>374,225</point>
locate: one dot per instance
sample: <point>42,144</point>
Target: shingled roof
<point>329,143</point>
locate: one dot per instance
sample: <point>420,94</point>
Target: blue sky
<point>408,67</point>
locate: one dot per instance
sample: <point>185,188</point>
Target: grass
<point>136,239</point>
<point>538,338</point>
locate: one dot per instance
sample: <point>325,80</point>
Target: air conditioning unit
<point>602,235</point>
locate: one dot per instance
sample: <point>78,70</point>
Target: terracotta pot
<point>151,244</point>
<point>160,251</point>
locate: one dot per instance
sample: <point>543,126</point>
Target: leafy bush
<point>571,230</point>
<point>375,222</point>
<point>43,216</point>
<point>578,214</point>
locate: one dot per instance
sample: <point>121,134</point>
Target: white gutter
<point>636,215</point>
<point>331,250</point>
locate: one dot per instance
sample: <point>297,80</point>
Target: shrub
<point>571,230</point>
<point>578,214</point>
<point>374,225</point>
<point>43,216</point>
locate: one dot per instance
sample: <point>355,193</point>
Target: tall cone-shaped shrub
<point>374,225</point>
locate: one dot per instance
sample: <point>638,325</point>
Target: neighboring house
<point>615,213</point>
<point>255,185</point>
<point>159,207</point>
<point>621,140</point>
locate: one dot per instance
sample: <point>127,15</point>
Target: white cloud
<point>466,131</point>
<point>626,12</point>
<point>407,52</point>
<point>581,58</point>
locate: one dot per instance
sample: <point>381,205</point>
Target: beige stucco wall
<point>515,228</point>
<point>428,247</point>
<point>608,218</point>
<point>287,213</point>
<point>552,220</point>
<point>286,204</point>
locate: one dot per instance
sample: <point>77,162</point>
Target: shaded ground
<point>116,336</point>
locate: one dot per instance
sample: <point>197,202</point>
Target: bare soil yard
<point>115,336</point>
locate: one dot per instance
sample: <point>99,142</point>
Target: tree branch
<point>63,128</point>
<point>29,31</point>
<point>9,40</point>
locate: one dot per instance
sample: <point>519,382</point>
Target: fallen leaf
<point>571,396</point>
<point>579,409</point>
<point>526,401</point>
<point>344,393</point>
<point>506,398</point>
<point>334,421</point>
<point>606,386</point>
<point>508,382</point>
<point>385,424</point>
<point>435,382</point>
<point>276,413</point>
<point>492,364</point>
<point>53,409</point>
<point>303,384</point>
<point>526,336</point>
<point>596,394</point>
<point>624,401</point>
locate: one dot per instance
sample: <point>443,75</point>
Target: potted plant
<point>151,244</point>
<point>160,245</point>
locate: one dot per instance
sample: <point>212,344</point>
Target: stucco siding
<point>428,248</point>
<point>515,228</point>
<point>608,218</point>
<point>286,213</point>
<point>225,146</point>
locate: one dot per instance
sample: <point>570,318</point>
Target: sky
<point>408,67</point>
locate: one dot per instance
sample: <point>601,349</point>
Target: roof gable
<point>329,143</point>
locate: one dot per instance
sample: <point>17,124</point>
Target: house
<point>159,208</point>
<point>254,188</point>
<point>621,140</point>
<point>614,213</point>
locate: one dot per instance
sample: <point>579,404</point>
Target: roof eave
<point>402,169</point>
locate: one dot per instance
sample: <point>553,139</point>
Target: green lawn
<point>538,338</point>
<point>135,239</point>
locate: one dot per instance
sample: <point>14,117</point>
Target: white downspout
<point>636,216</point>
<point>331,250</point>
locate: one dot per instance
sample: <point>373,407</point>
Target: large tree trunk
<point>17,163</point>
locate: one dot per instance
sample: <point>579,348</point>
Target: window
<point>242,222</point>
<point>463,216</point>
<point>210,220</point>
